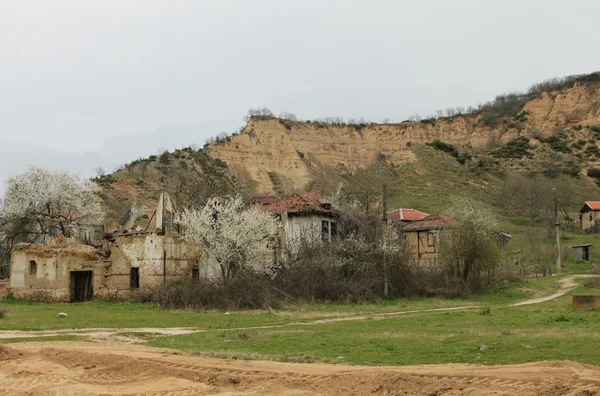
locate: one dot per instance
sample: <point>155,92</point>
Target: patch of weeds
<point>564,318</point>
<point>592,282</point>
<point>485,311</point>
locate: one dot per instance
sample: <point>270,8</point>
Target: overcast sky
<point>100,83</point>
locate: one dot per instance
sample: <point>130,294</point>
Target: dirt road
<point>82,368</point>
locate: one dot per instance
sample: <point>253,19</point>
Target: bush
<point>592,282</point>
<point>594,172</point>
<point>516,148</point>
<point>450,149</point>
<point>485,311</point>
<point>595,128</point>
<point>592,151</point>
<point>557,143</point>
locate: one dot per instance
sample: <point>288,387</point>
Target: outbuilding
<point>582,253</point>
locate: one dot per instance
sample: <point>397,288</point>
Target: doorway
<point>81,286</point>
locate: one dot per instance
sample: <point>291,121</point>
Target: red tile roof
<point>300,203</point>
<point>594,205</point>
<point>431,222</point>
<point>406,215</point>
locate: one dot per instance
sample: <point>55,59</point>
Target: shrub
<point>521,117</point>
<point>557,143</point>
<point>594,173</point>
<point>286,123</point>
<point>152,158</point>
<point>592,151</point>
<point>592,282</point>
<point>485,311</point>
<point>300,154</point>
<point>516,148</point>
<point>595,128</point>
<point>220,163</point>
<point>165,158</point>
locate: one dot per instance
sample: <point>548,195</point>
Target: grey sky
<point>100,83</point>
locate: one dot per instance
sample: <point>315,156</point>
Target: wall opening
<point>32,267</point>
<point>81,286</point>
<point>134,278</point>
<point>195,274</point>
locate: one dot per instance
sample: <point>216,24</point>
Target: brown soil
<point>80,368</point>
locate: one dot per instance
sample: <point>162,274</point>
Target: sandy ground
<point>83,368</point>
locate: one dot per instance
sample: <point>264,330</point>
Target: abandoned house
<point>589,216</point>
<point>127,260</point>
<point>406,215</point>
<point>306,221</point>
<point>423,238</point>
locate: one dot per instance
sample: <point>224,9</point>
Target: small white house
<point>306,220</point>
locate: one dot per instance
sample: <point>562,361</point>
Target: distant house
<point>307,220</point>
<point>406,215</point>
<point>422,238</point>
<point>589,216</point>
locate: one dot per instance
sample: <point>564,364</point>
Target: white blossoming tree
<point>237,237</point>
<point>52,202</point>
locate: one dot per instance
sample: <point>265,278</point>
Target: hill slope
<point>284,155</point>
<point>552,130</point>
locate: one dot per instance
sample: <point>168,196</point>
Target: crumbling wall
<point>42,272</point>
<point>159,258</point>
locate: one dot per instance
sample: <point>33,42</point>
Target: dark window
<point>134,278</point>
<point>333,227</point>
<point>32,267</point>
<point>590,216</point>
<point>325,230</point>
<point>430,239</point>
<point>195,274</point>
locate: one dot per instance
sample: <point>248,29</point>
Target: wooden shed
<point>582,253</point>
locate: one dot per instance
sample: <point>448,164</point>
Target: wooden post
<point>557,224</point>
<point>385,240</point>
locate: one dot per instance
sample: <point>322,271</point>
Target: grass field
<point>546,331</point>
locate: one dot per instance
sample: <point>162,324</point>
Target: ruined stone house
<point>126,261</point>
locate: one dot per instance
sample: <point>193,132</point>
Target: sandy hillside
<point>80,368</point>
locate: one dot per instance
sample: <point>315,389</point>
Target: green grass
<point>548,331</point>
<point>37,339</point>
<point>27,315</point>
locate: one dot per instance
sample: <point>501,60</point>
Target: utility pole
<point>385,239</point>
<point>557,224</point>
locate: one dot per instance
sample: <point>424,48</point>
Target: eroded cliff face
<point>287,153</point>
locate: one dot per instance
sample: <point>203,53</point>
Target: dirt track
<point>81,368</point>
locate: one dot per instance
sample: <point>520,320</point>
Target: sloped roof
<point>432,222</point>
<point>594,205</point>
<point>406,215</point>
<point>300,203</point>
